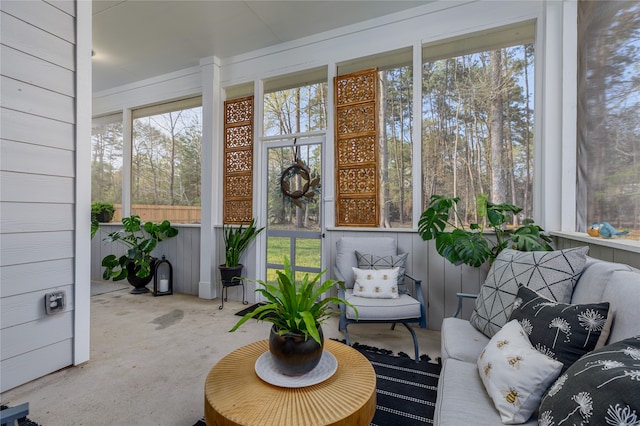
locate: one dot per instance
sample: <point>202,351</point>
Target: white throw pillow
<point>515,374</point>
<point>376,283</point>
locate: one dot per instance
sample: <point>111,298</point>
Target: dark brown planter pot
<point>292,354</point>
<point>139,284</point>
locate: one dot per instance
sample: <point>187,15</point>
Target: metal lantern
<point>163,278</point>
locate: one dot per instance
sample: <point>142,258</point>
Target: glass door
<point>294,206</point>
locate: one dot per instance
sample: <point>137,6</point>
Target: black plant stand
<point>225,290</point>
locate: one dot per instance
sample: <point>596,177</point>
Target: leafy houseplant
<point>471,246</point>
<point>141,239</point>
<point>101,211</point>
<point>236,241</point>
<point>296,311</point>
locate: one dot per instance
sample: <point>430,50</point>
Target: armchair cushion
<point>553,274</point>
<point>369,309</point>
<point>372,261</point>
<point>376,283</point>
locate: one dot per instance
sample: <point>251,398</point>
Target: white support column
<point>416,135</point>
<point>259,182</point>
<point>548,127</point>
<point>211,179</point>
<point>82,256</point>
<point>569,115</point>
<point>127,157</point>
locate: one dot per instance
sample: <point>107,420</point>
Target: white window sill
<point>617,243</point>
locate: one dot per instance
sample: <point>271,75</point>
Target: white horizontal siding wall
<point>37,187</point>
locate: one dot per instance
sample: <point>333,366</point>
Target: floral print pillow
<point>562,331</point>
<point>601,388</point>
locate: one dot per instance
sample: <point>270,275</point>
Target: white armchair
<point>408,308</point>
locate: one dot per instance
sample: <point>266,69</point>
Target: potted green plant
<point>102,212</point>
<point>296,310</point>
<point>236,241</point>
<point>137,264</point>
<point>472,246</point>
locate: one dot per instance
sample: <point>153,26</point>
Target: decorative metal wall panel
<point>236,186</point>
<point>238,161</point>
<point>356,149</point>
<point>240,136</point>
<point>356,87</point>
<point>238,111</point>
<point>357,181</point>
<point>356,119</point>
<point>357,210</point>
<point>237,211</point>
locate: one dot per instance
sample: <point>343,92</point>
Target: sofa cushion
<point>404,307</point>
<point>552,273</point>
<point>601,388</point>
<point>372,261</point>
<point>460,340</point>
<point>346,253</point>
<point>623,293</point>
<point>515,374</point>
<point>462,399</point>
<point>562,331</point>
<point>595,275</point>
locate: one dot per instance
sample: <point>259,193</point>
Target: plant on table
<point>296,309</point>
<point>472,246</point>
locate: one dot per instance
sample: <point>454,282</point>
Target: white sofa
<point>462,399</point>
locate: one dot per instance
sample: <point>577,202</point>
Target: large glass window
<point>396,148</point>
<point>609,115</point>
<point>106,161</point>
<point>297,110</point>
<point>166,166</point>
<point>477,118</point>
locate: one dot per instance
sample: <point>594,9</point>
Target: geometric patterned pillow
<point>561,331</point>
<point>601,388</point>
<point>371,261</point>
<point>553,274</point>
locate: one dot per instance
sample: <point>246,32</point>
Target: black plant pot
<point>139,284</point>
<point>104,217</point>
<point>292,354</point>
<point>231,275</point>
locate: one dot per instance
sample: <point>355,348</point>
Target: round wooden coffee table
<point>235,395</point>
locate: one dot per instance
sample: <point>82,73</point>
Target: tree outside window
<point>609,115</point>
<point>166,165</point>
<point>477,123</point>
<point>106,160</point>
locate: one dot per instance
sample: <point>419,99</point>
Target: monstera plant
<point>472,246</point>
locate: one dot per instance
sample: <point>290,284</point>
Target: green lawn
<point>307,253</point>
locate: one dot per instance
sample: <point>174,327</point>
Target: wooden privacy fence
<point>155,213</point>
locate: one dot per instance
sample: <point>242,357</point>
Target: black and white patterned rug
<point>406,390</point>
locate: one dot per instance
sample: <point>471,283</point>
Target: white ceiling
<point>138,39</point>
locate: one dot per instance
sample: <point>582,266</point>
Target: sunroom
<point>168,145</point>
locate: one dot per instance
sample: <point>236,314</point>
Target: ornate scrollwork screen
<point>238,161</point>
<point>356,149</point>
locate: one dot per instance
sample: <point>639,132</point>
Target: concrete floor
<point>150,357</point>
